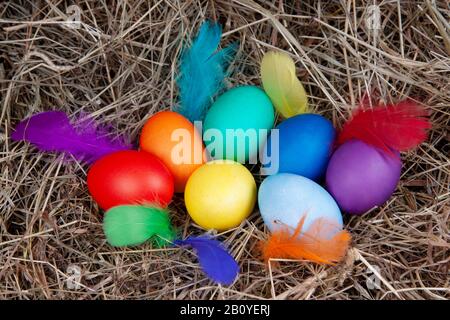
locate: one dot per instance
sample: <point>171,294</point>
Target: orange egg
<point>174,139</point>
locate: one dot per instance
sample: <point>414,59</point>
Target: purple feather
<point>215,261</point>
<point>52,131</point>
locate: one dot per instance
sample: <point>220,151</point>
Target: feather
<point>130,225</point>
<point>401,126</point>
<point>310,245</point>
<point>202,71</point>
<point>52,131</point>
<point>215,261</point>
<point>282,85</point>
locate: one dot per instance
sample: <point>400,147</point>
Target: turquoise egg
<point>285,198</point>
<point>237,124</point>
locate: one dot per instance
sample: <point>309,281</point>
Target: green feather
<point>130,225</point>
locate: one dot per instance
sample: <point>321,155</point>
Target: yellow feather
<point>282,85</point>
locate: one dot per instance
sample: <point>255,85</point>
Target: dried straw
<point>120,63</point>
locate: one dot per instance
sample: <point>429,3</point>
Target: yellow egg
<point>220,194</point>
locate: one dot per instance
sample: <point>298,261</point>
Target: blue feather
<point>215,261</point>
<point>203,71</point>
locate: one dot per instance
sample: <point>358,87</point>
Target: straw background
<point>119,65</point>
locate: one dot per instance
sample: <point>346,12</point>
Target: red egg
<point>130,177</point>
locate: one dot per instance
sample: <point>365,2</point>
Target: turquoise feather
<point>203,70</point>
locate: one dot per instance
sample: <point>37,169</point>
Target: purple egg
<point>360,176</point>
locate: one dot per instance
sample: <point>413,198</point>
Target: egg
<point>130,177</point>
<point>360,176</point>
<point>220,195</point>
<point>285,198</point>
<point>237,124</point>
<point>174,139</point>
<point>301,145</point>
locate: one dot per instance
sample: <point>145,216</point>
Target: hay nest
<point>119,64</point>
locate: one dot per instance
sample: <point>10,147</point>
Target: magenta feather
<point>52,131</point>
<point>214,259</point>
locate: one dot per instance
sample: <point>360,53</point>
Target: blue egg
<point>304,147</point>
<point>285,198</point>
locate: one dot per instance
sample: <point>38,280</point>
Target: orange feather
<point>310,245</point>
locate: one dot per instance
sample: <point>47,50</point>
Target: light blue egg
<point>285,198</point>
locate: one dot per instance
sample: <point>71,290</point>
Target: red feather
<point>401,126</point>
